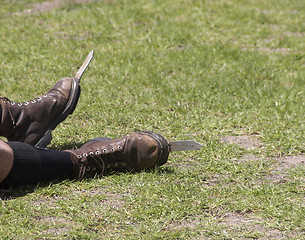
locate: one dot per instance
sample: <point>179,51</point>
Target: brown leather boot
<point>33,121</point>
<point>135,152</point>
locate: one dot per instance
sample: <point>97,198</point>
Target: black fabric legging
<point>32,165</point>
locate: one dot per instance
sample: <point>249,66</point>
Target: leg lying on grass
<point>22,164</point>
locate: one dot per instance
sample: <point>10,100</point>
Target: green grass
<point>186,69</point>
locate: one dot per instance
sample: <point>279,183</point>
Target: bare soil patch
<point>48,6</point>
<point>111,200</point>
<point>187,223</point>
<point>247,158</point>
<point>240,223</point>
<point>283,51</point>
<point>57,226</point>
<point>280,173</point>
<point>287,162</point>
<point>248,142</point>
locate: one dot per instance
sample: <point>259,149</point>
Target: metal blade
<point>186,145</point>
<point>82,69</point>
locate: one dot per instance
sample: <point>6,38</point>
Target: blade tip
<point>199,146</point>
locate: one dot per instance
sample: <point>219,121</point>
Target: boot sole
<point>70,107</point>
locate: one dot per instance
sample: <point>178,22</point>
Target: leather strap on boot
<point>135,152</point>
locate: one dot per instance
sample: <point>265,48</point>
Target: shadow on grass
<point>13,193</point>
<point>164,170</point>
<point>157,170</point>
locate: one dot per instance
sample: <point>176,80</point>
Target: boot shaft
<point>32,121</point>
<point>17,117</point>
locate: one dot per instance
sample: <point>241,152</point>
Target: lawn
<point>228,74</point>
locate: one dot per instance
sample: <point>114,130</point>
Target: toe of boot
<point>62,90</point>
<point>146,150</point>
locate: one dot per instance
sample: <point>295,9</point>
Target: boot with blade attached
<point>33,121</point>
<point>135,152</point>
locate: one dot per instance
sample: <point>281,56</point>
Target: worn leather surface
<point>28,121</point>
<point>135,152</point>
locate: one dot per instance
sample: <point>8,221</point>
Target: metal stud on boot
<point>135,152</point>
<point>33,121</point>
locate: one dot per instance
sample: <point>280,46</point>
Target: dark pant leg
<point>32,165</point>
